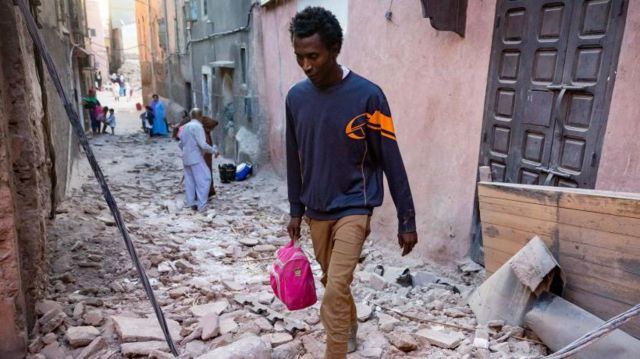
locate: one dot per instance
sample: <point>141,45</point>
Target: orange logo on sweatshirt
<point>355,127</point>
<point>377,122</point>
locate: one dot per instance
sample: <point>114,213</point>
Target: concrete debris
<point>277,339</point>
<point>54,351</point>
<point>228,325</point>
<point>143,329</point>
<point>216,307</point>
<point>386,322</point>
<point>441,338</point>
<point>500,348</point>
<point>549,310</point>
<point>143,348</point>
<point>157,354</point>
<point>232,285</point>
<point>371,353</point>
<point>51,320</point>
<point>250,346</point>
<point>210,325</point>
<point>196,348</point>
<point>94,347</point>
<point>49,338</point>
<point>364,311</point>
<point>469,266</point>
<point>511,290</point>
<point>93,317</point>
<point>481,339</point>
<point>81,336</point>
<point>45,306</point>
<point>404,342</point>
<point>249,242</point>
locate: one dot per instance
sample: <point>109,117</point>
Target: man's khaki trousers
<point>337,245</point>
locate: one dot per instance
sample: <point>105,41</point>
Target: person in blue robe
<point>160,127</point>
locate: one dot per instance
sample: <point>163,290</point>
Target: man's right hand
<point>294,228</point>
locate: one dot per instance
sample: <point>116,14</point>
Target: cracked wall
<point>35,151</point>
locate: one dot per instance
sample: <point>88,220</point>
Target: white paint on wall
<point>340,8</point>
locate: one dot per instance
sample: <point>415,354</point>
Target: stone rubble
<point>209,272</point>
<point>81,336</point>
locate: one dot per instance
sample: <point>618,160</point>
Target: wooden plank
<point>607,289</point>
<point>627,282</point>
<point>524,209</point>
<point>544,228</point>
<point>601,307</point>
<point>615,242</point>
<point>494,259</point>
<point>508,240</point>
<point>600,221</point>
<point>528,194</point>
<point>616,263</point>
<point>614,204</point>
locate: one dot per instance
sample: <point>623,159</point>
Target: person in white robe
<point>197,176</point>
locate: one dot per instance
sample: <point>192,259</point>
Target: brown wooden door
<point>550,83</point>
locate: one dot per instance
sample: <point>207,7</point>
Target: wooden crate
<point>594,235</point>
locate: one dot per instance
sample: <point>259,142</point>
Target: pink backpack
<point>292,279</point>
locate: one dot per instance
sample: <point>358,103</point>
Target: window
<point>205,8</point>
<point>248,113</point>
<point>193,11</point>
<point>162,34</point>
<point>205,93</point>
<point>243,64</point>
<point>92,32</point>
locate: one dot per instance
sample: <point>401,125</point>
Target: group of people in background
<point>121,87</point>
<point>100,116</point>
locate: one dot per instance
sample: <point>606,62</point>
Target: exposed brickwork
<point>12,308</point>
<point>29,161</point>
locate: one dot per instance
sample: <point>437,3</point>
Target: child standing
<point>102,118</point>
<point>111,121</point>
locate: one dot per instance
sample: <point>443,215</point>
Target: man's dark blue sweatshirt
<point>340,140</point>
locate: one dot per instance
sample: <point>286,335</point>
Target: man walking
<point>197,176</point>
<point>340,140</point>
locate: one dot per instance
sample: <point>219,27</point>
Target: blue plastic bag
<point>243,171</point>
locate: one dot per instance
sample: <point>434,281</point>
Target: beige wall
<point>435,82</point>
<point>98,45</point>
<point>620,163</point>
<point>152,77</point>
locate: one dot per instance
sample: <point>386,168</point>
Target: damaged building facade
<point>37,151</point>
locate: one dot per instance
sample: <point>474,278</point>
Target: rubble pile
<point>209,272</point>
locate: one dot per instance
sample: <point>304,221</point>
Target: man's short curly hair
<point>318,20</point>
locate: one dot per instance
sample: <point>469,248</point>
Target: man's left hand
<point>407,241</point>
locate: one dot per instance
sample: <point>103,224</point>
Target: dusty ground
<point>223,257</point>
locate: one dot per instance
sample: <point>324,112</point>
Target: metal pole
<point>168,48</point>
<point>151,54</point>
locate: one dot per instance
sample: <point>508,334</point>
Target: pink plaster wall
<point>620,163</point>
<point>435,83</point>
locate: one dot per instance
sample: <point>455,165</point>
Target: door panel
<point>589,70</point>
<point>550,82</point>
